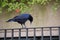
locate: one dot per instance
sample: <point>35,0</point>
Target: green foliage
<point>24,5</point>
<point>0,10</point>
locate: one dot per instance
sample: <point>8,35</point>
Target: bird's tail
<point>9,20</point>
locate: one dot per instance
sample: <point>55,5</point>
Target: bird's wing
<point>22,17</point>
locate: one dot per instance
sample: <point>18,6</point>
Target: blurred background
<point>43,16</point>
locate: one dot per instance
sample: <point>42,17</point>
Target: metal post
<point>42,33</point>
<point>12,34</point>
<point>5,34</point>
<point>19,34</point>
<point>50,34</point>
<point>26,33</point>
<point>34,34</point>
<point>59,33</point>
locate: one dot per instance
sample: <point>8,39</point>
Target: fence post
<point>12,34</point>
<point>5,34</point>
<point>59,33</point>
<point>19,34</point>
<point>34,34</point>
<point>50,33</point>
<point>42,33</point>
<point>26,33</point>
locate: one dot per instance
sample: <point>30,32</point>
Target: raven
<point>21,19</point>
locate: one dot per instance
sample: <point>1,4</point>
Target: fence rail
<point>27,32</point>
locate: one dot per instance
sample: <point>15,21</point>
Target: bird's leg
<point>22,25</point>
<point>25,25</point>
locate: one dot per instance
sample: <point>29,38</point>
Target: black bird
<point>21,19</point>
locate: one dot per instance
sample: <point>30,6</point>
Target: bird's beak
<point>30,22</point>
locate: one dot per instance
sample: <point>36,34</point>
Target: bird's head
<point>30,19</point>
